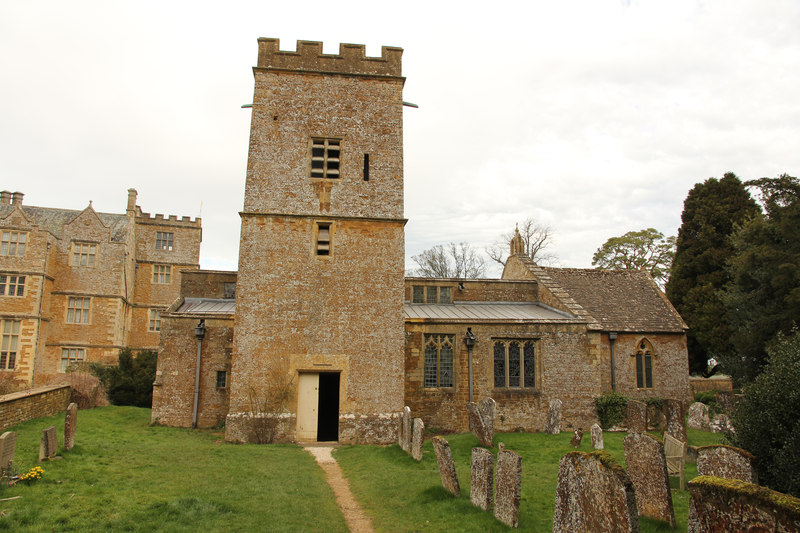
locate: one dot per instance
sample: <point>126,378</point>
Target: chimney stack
<point>5,197</point>
<point>16,198</point>
<point>132,200</point>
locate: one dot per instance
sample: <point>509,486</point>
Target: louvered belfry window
<point>325,158</point>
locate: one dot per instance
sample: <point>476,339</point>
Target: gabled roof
<point>53,220</point>
<point>619,300</point>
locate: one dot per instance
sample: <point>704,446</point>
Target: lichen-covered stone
<point>577,437</point>
<point>8,445</point>
<point>405,429</point>
<point>481,486</point>
<point>70,426</point>
<point>553,426</point>
<point>481,418</point>
<point>722,424</point>
<point>509,488</point>
<point>674,415</point>
<point>647,469</point>
<point>49,444</point>
<point>698,416</point>
<point>594,494</point>
<point>418,439</point>
<point>726,462</point>
<point>637,416</point>
<point>597,437</point>
<point>447,469</point>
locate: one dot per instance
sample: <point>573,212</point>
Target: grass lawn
<point>401,494</point>
<point>123,475</point>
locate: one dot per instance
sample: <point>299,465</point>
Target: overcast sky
<point>594,117</point>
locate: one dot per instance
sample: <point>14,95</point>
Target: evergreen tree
<point>712,212</point>
<point>645,249</point>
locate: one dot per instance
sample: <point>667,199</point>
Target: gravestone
<point>447,469</point>
<point>597,437</point>
<point>726,401</point>
<point>577,437</point>
<point>481,419</point>
<point>553,426</point>
<point>726,462</point>
<point>405,429</point>
<point>637,416</point>
<point>418,439</point>
<point>480,488</point>
<point>70,426</point>
<point>722,424</point>
<point>49,444</point>
<point>674,416</point>
<point>509,488</point>
<point>698,416</point>
<point>8,445</point>
<point>647,469</point>
<point>594,494</point>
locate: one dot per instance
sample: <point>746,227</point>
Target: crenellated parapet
<point>158,218</point>
<point>308,57</point>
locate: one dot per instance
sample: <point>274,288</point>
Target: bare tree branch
<point>453,261</point>
<point>537,238</point>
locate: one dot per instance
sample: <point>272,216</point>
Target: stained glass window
<point>499,364</point>
<point>514,364</point>
<point>439,360</point>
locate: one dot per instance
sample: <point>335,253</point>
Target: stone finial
<point>646,465</point>
<point>447,468</point>
<point>517,243</point>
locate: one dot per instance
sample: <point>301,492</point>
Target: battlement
<point>351,58</point>
<point>158,218</point>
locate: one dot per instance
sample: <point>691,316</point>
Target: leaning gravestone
<point>577,437</point>
<point>554,417</point>
<point>594,494</point>
<point>49,444</point>
<point>637,416</point>
<point>447,469</point>
<point>8,445</point>
<point>597,437</point>
<point>698,416</point>
<point>726,462</point>
<point>509,488</point>
<point>405,429</point>
<point>418,439</point>
<point>481,419</point>
<point>674,415</point>
<point>647,469</point>
<point>480,488</point>
<point>70,426</point>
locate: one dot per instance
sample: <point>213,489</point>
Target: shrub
<point>87,390</point>
<point>610,409</point>
<point>131,381</point>
<point>766,419</point>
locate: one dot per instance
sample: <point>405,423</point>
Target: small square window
<point>444,295</point>
<point>78,310</point>
<point>418,296</point>
<point>70,356</point>
<point>230,290</point>
<point>155,320</point>
<point>164,240</point>
<point>13,243</point>
<point>323,238</point>
<point>83,254</point>
<point>325,158</point>
<point>222,379</point>
<point>161,274</point>
<point>12,285</point>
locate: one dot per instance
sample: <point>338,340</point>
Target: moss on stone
<point>778,500</point>
<point>734,448</point>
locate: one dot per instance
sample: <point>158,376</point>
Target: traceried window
<point>515,364</point>
<point>430,294</point>
<point>161,274</point>
<point>78,310</point>
<point>164,240</point>
<point>439,360</point>
<point>12,285</point>
<point>644,365</point>
<point>71,355</point>
<point>83,254</point>
<point>9,344</point>
<point>155,320</point>
<point>13,243</point>
<point>325,158</point>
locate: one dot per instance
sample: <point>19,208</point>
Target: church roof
<point>53,220</point>
<point>485,311</point>
<point>619,300</point>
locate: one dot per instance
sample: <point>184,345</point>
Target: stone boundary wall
<point>34,403</point>
<point>731,505</point>
<point>708,384</point>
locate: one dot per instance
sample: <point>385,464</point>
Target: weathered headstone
<point>70,426</point>
<point>726,401</point>
<point>594,494</point>
<point>698,416</point>
<point>553,426</point>
<point>405,429</point>
<point>481,419</point>
<point>480,488</point>
<point>418,439</point>
<point>509,488</point>
<point>8,445</point>
<point>727,462</point>
<point>49,444</point>
<point>647,469</point>
<point>577,437</point>
<point>674,415</point>
<point>637,416</point>
<point>722,424</point>
<point>447,469</point>
<point>597,437</point>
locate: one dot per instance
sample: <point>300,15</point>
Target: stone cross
<point>405,429</point>
<point>594,494</point>
<point>674,416</point>
<point>637,416</point>
<point>447,469</point>
<point>553,426</point>
<point>481,418</point>
<point>647,469</point>
<point>8,445</point>
<point>70,426</point>
<point>509,488</point>
<point>597,437</point>
<point>726,462</point>
<point>481,486</point>
<point>577,437</point>
<point>418,439</point>
<point>49,444</point>
<point>698,416</point>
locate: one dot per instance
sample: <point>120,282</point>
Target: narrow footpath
<point>356,520</point>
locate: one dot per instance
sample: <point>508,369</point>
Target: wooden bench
<point>675,452</point>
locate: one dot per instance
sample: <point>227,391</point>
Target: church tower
<point>318,351</point>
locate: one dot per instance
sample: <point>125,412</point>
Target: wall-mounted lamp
<point>469,340</point>
<point>200,330</point>
<point>461,287</point>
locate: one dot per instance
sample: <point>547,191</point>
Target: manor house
<point>320,337</point>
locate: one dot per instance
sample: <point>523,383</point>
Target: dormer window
<point>325,158</point>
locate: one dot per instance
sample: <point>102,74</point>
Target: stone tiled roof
<point>619,300</point>
<point>53,220</point>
